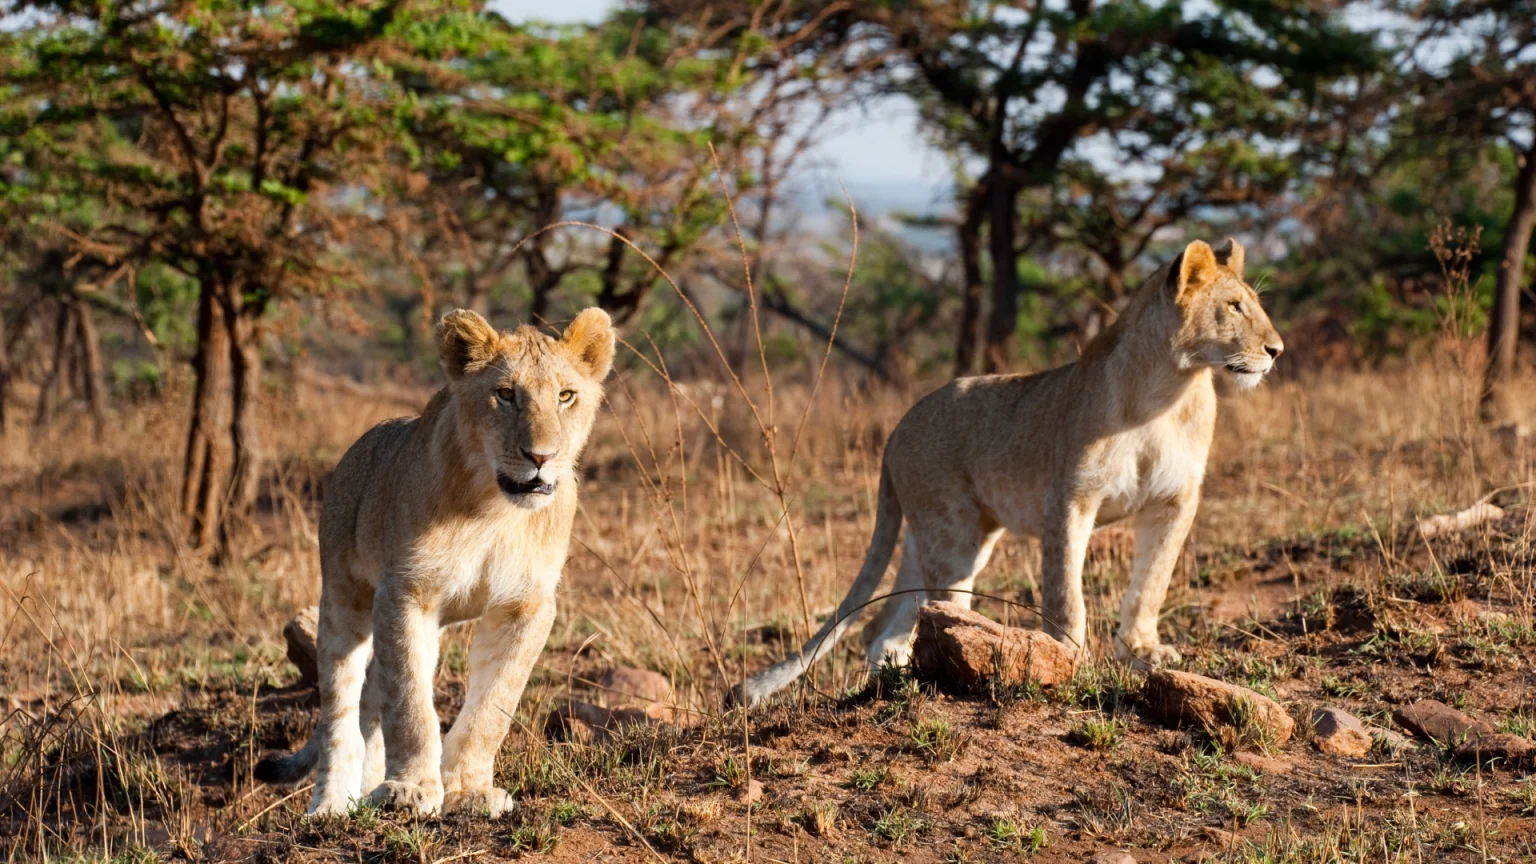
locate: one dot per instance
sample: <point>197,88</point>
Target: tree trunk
<point>48,395</point>
<point>1504,325</point>
<point>1004,320</point>
<point>90,364</point>
<point>204,472</point>
<point>5,373</point>
<point>244,323</point>
<point>968,342</point>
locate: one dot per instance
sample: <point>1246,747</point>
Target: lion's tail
<point>292,767</point>
<point>882,545</point>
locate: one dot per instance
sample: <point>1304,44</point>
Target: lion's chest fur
<point>1157,461</point>
<point>466,567</point>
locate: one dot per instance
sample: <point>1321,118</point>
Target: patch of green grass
<point>732,773</point>
<point>407,842</point>
<point>897,825</point>
<point>869,777</point>
<point>935,740</point>
<point>1340,688</point>
<point>1098,733</point>
<point>1007,833</point>
<point>1432,587</point>
<point>567,812</point>
<point>536,836</point>
<point>364,814</point>
<point>1103,686</point>
<point>1448,780</point>
<point>1519,723</point>
<point>136,854</point>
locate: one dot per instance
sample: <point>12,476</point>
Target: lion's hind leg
<point>935,565</point>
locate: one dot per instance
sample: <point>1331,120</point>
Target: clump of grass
<point>868,777</point>
<point>1105,812</point>
<point>1519,723</point>
<point>1103,686</point>
<point>533,836</point>
<point>1340,688</point>
<point>820,818</point>
<point>407,843</point>
<point>1098,733</point>
<point>1007,833</point>
<point>731,773</point>
<point>1432,587</point>
<point>935,740</point>
<point>897,825</point>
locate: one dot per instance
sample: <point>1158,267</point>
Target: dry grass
<point>713,534</point>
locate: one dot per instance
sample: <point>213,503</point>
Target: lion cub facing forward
<point>464,512</point>
<point>1121,433</point>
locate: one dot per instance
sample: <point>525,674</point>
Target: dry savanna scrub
<point>141,681</point>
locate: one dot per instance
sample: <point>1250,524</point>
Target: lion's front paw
<point>1147,655</point>
<point>424,797</point>
<point>491,801</point>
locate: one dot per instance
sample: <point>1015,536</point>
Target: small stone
<point>959,649</point>
<point>1184,697</point>
<point>1439,722</point>
<point>1226,838</point>
<point>750,793</point>
<point>300,635</point>
<point>638,686</point>
<point>585,723</point>
<point>1112,857</point>
<point>1263,764</point>
<point>1340,733</point>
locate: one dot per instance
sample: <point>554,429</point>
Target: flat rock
<point>1112,857</point>
<point>1263,764</point>
<point>300,635</point>
<point>1340,733</point>
<point>1498,745</point>
<point>959,649</point>
<point>1390,740</point>
<point>1184,697</point>
<point>585,723</point>
<point>1440,723</point>
<point>638,686</point>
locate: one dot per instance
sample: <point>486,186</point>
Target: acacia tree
<point>226,141</point>
<point>1030,90</point>
<point>530,125</point>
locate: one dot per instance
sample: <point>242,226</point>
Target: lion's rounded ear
<point>466,343</point>
<point>1231,256</point>
<point>591,340</point>
<point>1195,268</point>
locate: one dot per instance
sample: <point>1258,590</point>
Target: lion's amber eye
<point>566,396</point>
<point>506,395</point>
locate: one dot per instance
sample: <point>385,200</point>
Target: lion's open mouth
<point>532,487</point>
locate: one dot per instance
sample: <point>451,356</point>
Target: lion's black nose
<point>538,458</point>
<point>1274,350</point>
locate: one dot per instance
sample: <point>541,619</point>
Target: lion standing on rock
<point>1122,433</point>
<point>464,512</point>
